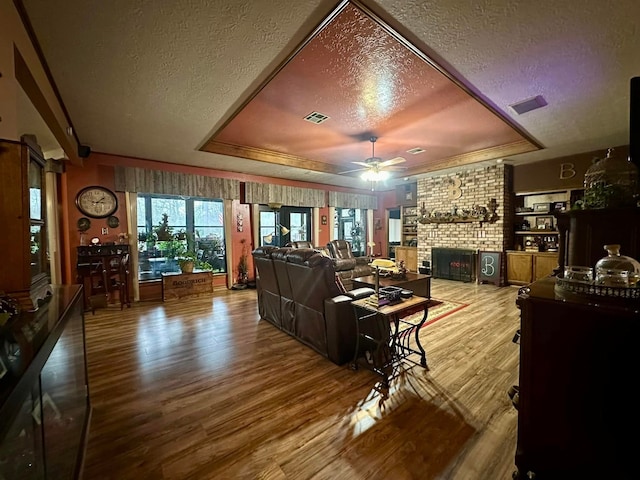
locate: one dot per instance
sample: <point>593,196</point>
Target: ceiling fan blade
<point>352,171</point>
<point>393,161</point>
<point>364,164</point>
<point>395,169</point>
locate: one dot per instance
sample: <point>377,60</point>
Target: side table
<point>384,335</point>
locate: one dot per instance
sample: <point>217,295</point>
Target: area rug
<point>443,309</point>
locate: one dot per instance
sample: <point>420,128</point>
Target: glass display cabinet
<point>25,274</point>
<point>44,392</point>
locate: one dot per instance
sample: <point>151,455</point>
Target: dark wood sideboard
<point>577,417</point>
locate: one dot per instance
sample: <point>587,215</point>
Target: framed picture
<point>544,223</point>
<point>541,207</point>
<point>560,206</point>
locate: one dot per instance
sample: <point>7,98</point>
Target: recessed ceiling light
<point>528,105</point>
<point>316,117</point>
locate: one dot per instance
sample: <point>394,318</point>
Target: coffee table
<point>418,283</point>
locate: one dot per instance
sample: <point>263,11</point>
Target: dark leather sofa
<point>297,292</point>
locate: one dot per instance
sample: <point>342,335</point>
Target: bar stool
<point>118,278</point>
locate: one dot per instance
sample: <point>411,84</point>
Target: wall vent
<point>316,117</point>
<point>528,105</point>
<point>415,151</point>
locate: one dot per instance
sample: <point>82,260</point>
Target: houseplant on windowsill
<point>187,262</point>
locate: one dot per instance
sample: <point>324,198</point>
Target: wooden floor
<point>203,389</point>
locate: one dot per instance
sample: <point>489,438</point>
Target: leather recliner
<point>299,244</point>
<point>297,292</point>
<point>348,265</point>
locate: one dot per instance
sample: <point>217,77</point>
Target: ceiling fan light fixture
<point>375,176</point>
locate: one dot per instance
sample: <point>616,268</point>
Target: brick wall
<point>477,187</point>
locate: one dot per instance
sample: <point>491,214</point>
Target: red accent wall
<point>98,169</point>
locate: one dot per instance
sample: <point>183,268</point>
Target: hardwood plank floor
<point>204,389</point>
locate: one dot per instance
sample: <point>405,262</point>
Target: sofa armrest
<point>342,264</point>
<point>362,261</point>
<point>358,293</point>
<point>341,329</point>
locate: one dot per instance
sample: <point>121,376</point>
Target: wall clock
<point>97,202</point>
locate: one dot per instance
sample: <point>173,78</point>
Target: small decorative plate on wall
<point>113,221</point>
<point>84,224</point>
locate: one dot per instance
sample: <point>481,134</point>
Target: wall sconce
<point>323,219</point>
<point>239,222</point>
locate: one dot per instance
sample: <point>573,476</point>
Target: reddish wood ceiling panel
<point>369,83</point>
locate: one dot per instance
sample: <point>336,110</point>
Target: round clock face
<point>84,224</point>
<point>97,202</point>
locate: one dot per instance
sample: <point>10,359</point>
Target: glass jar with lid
<point>616,270</point>
<point>611,182</point>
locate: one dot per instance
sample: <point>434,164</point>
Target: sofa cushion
<point>287,307</point>
<point>267,288</point>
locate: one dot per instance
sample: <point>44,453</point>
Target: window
<point>288,224</point>
<point>169,225</point>
<point>350,225</point>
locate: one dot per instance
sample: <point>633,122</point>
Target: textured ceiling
<point>160,80</point>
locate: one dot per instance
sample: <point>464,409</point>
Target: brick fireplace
<point>457,191</point>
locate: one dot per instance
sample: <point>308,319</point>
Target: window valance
<point>353,200</point>
<point>130,179</point>
<point>264,193</point>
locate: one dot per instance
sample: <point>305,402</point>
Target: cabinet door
<point>543,265</point>
<point>519,268</point>
<point>410,257</point>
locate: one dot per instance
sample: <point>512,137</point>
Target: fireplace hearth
<point>454,264</point>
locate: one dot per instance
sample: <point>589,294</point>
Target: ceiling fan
<point>375,168</point>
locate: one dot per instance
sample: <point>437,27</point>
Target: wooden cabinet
<point>575,415</point>
<point>526,267</point>
<point>25,273</point>
<point>409,255</point>
<point>583,234</point>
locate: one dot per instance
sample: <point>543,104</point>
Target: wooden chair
<point>118,278</point>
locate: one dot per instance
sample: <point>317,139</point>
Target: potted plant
<point>187,262</point>
<point>243,268</point>
<point>243,264</point>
